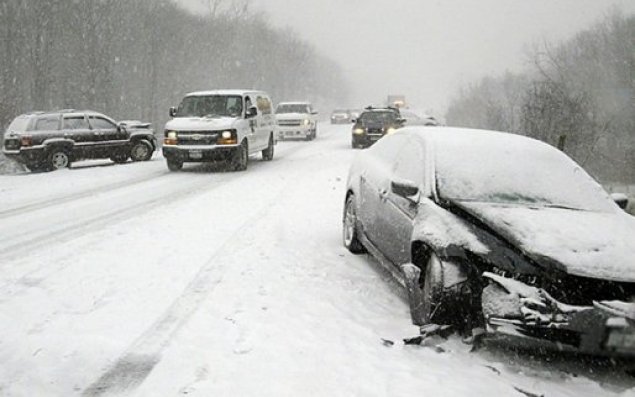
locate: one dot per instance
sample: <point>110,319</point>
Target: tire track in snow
<point>56,201</point>
<point>132,368</point>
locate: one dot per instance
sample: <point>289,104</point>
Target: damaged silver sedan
<point>500,232</point>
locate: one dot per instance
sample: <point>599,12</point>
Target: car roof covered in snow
<point>294,103</point>
<point>239,92</point>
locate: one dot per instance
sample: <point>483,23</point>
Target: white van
<point>220,126</point>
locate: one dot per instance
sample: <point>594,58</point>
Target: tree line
<point>133,59</point>
<point>578,95</point>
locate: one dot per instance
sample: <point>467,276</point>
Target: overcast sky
<point>426,49</point>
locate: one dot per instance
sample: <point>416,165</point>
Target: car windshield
<point>514,173</point>
<point>292,108</point>
<point>378,117</point>
<point>210,106</point>
<point>340,111</point>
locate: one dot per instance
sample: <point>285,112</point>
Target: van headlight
<point>226,135</point>
<point>171,135</point>
<point>306,121</point>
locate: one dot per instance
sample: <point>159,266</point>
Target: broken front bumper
<point>515,309</point>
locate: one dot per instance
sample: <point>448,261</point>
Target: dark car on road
<point>372,124</point>
<point>45,141</point>
<point>495,231</point>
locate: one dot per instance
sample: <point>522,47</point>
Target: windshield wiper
<point>564,207</point>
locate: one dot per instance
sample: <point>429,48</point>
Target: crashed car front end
<point>603,327</point>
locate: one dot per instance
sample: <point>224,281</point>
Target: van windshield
<point>211,106</point>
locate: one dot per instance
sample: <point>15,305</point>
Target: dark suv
<point>45,141</point>
<point>373,123</point>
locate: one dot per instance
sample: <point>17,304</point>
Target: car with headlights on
<point>372,124</point>
<point>340,116</point>
<point>225,126</point>
<point>496,231</point>
<point>296,120</point>
<point>46,141</point>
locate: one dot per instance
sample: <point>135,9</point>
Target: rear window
<point>380,117</point>
<point>20,124</point>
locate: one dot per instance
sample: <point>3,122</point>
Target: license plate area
<point>196,154</point>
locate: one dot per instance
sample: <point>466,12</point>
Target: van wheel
<point>58,159</point>
<point>175,165</point>
<point>241,157</point>
<point>267,154</point>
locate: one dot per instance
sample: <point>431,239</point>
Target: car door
<point>396,215</point>
<point>76,128</point>
<point>109,138</point>
<point>374,184</point>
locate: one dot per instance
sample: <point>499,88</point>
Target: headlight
<point>171,135</point>
<point>390,130</point>
<point>306,121</point>
<point>226,135</point>
<point>358,131</point>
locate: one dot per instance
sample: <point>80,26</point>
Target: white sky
<point>426,49</point>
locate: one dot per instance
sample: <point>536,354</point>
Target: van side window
<point>264,105</point>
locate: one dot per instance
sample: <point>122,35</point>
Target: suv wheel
<point>58,159</point>
<point>267,154</point>
<point>241,157</point>
<point>141,151</point>
<point>174,165</point>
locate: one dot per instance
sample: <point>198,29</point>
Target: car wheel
<point>435,304</point>
<point>175,165</point>
<point>141,151</point>
<point>119,158</point>
<point>267,154</point>
<point>350,233</point>
<point>241,157</point>
<point>58,159</point>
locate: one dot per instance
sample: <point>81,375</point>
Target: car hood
<point>201,123</point>
<point>292,116</point>
<point>598,245</point>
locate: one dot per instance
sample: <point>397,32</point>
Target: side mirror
<point>314,112</point>
<point>251,112</point>
<point>620,199</point>
<point>404,188</point>
<point>172,111</point>
<point>401,121</point>
<point>353,121</point>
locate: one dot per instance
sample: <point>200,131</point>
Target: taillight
<point>26,140</point>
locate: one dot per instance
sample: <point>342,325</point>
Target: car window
<point>292,108</point>
<point>46,123</point>
<point>100,123</point>
<point>410,163</point>
<point>263,104</point>
<point>210,106</point>
<point>75,123</point>
<point>378,117</point>
<point>19,124</point>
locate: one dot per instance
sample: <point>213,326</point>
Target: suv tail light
<point>26,140</point>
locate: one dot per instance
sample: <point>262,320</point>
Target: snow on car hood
<point>201,123</point>
<point>292,116</point>
<point>585,243</point>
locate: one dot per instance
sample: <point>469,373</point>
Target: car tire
<point>58,159</point>
<point>119,158</point>
<point>241,157</point>
<point>141,151</point>
<point>350,234</point>
<point>436,301</point>
<point>267,154</point>
<point>174,165</point>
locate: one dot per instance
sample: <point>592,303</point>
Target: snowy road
<point>129,280</point>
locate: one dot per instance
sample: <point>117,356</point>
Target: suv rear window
<point>20,124</point>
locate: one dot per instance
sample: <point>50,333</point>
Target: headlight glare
<point>358,131</point>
